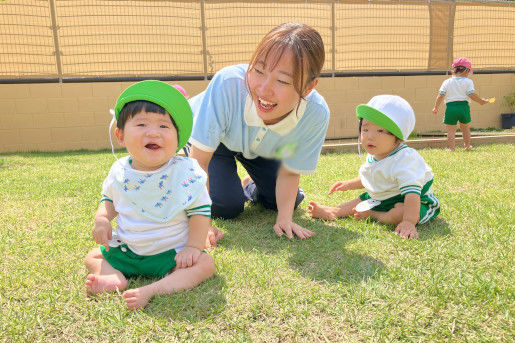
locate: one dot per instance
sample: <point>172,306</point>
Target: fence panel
<point>70,39</point>
<point>26,42</point>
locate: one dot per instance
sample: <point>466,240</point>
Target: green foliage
<point>509,101</point>
<point>353,281</point>
<point>488,129</point>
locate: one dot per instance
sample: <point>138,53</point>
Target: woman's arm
<point>286,189</point>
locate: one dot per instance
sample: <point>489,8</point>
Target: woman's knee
<point>226,210</point>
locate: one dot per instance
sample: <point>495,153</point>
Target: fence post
<point>57,51</point>
<point>450,36</point>
<point>204,43</point>
<point>441,16</point>
<point>333,38</point>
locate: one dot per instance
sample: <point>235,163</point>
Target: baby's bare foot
<point>104,283</point>
<point>468,148</point>
<point>137,298</point>
<point>361,215</point>
<point>316,210</point>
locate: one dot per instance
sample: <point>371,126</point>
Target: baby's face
<point>150,138</point>
<point>376,140</point>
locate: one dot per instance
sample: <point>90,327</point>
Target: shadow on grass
<point>322,257</point>
<point>435,228</point>
<point>198,304</point>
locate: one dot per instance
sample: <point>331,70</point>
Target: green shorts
<point>429,205</point>
<point>130,264</point>
<point>457,111</point>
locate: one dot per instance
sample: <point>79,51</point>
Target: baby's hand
<point>187,257</point>
<point>102,233</point>
<point>435,110</point>
<point>339,186</point>
<point>406,229</point>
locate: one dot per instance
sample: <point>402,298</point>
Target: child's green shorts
<point>130,264</point>
<point>457,111</point>
<point>429,205</point>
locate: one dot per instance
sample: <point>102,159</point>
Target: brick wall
<point>70,116</point>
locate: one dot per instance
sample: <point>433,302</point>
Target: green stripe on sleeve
<point>199,207</point>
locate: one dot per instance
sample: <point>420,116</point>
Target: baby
<point>160,201</point>
<point>396,178</point>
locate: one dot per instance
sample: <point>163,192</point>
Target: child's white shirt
<point>457,88</point>
<point>153,206</point>
<point>403,171</point>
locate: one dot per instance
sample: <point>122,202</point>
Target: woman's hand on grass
<point>289,228</point>
<point>187,257</point>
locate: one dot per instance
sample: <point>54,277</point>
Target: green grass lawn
<point>354,281</point>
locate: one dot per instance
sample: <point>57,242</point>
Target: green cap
<point>166,96</point>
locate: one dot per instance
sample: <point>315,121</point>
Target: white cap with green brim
<point>391,112</point>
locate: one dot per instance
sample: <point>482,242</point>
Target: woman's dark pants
<point>225,188</point>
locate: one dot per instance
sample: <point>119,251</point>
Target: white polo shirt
<point>225,113</point>
<point>457,88</point>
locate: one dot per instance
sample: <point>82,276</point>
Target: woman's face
<point>272,90</point>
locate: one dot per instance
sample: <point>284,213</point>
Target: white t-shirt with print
<point>153,206</point>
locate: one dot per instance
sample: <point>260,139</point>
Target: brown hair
<point>307,48</point>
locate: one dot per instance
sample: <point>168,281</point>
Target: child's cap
<point>391,112</point>
<point>166,96</point>
<point>462,62</point>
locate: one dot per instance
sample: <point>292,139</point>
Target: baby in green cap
<point>160,201</point>
<point>396,178</point>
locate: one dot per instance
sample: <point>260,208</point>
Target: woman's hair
<point>306,46</point>
<point>134,107</point>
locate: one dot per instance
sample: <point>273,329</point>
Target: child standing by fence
<point>458,90</point>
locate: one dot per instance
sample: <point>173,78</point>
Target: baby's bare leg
<point>331,213</point>
<point>393,217</point>
<point>179,279</point>
<point>103,277</point>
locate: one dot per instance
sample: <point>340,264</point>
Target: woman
<point>267,116</point>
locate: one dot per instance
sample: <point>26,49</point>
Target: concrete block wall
<point>345,93</point>
<point>71,116</point>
